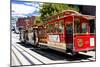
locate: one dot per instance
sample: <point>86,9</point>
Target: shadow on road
<point>55,55</point>
<point>25,45</point>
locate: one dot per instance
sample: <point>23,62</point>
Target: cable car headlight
<point>80,42</point>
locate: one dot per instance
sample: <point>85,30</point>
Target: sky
<point>24,9</point>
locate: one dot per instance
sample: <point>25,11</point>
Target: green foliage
<point>49,9</point>
<point>37,20</point>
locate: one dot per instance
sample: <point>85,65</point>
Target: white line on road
<point>32,58</point>
<point>21,57</point>
<point>14,60</point>
<point>29,56</point>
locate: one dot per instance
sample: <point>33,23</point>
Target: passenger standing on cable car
<point>34,37</point>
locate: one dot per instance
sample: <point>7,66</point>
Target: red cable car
<point>69,31</point>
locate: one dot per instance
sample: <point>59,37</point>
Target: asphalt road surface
<point>26,54</point>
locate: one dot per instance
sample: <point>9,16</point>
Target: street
<point>26,54</point>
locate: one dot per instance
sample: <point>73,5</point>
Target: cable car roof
<point>73,13</point>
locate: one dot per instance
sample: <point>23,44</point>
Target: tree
<point>49,9</point>
<point>37,20</point>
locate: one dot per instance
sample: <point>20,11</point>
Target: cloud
<point>20,15</point>
<point>25,9</point>
<point>22,9</point>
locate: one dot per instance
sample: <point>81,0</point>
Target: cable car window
<point>92,26</point>
<point>61,26</point>
<point>69,29</point>
<point>77,25</point>
<point>56,27</point>
<point>84,27</point>
<point>50,28</point>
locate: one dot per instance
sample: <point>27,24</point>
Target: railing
<point>84,33</point>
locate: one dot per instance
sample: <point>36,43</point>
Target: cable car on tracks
<point>68,32</point>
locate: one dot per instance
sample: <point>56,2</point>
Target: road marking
<point>29,56</point>
<point>14,60</point>
<point>29,60</point>
<point>36,55</point>
<point>32,58</point>
<point>21,57</point>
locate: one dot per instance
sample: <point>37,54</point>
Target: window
<point>84,27</point>
<point>50,28</point>
<point>56,27</point>
<point>69,29</point>
<point>92,26</point>
<point>77,25</point>
<point>80,27</point>
<point>61,26</point>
